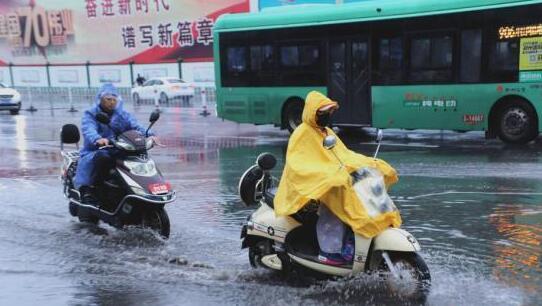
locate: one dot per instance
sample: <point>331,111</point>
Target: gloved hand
<point>102,142</point>
<point>156,141</point>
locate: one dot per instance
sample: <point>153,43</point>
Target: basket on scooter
<point>69,134</point>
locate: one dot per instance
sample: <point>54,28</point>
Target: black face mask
<point>324,119</point>
<point>106,111</point>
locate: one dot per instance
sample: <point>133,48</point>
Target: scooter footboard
<point>395,239</point>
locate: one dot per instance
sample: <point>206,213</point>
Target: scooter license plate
<point>159,188</point>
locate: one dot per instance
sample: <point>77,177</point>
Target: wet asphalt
<point>474,204</point>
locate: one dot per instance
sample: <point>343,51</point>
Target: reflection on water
<point>20,141</point>
<point>517,259</point>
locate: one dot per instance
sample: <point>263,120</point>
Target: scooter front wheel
<point>409,278</point>
<point>157,220</point>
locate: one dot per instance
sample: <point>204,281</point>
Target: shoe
<point>87,196</point>
<point>331,259</point>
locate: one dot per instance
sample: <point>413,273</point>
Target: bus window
<point>236,60</point>
<point>289,56</point>
<point>299,56</point>
<point>431,59</point>
<point>390,61</point>
<point>261,64</point>
<point>503,61</point>
<point>301,65</point>
<point>235,67</point>
<point>471,53</point>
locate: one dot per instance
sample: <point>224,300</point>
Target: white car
<point>10,99</point>
<point>163,89</point>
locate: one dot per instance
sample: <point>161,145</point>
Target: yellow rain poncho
<point>314,173</point>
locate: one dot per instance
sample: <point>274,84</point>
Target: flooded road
<point>474,205</point>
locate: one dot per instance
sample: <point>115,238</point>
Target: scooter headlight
<point>141,168</point>
<point>123,144</point>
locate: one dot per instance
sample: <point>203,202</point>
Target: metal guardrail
<point>79,98</point>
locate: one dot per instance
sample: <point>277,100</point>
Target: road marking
<point>401,145</point>
<point>473,192</point>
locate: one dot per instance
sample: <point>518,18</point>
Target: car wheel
<point>136,99</point>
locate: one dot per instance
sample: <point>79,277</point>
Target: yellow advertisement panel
<point>530,56</point>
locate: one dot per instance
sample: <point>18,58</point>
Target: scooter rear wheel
<point>257,251</point>
<point>73,209</point>
<point>85,215</point>
<point>157,220</point>
<point>87,218</point>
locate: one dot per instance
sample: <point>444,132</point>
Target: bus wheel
<point>517,122</point>
<point>292,115</point>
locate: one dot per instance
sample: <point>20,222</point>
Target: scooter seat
<point>305,215</point>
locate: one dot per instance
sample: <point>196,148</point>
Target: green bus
<point>459,65</point>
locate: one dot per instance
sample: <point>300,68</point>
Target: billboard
<point>37,32</point>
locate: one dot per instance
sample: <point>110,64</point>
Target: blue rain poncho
<point>93,130</point>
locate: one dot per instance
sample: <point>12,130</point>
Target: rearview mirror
<point>103,118</point>
<point>379,135</point>
<point>329,142</point>
<point>154,116</point>
<point>266,161</point>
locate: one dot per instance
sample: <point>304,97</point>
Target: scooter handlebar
<point>110,145</point>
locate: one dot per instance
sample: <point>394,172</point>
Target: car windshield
<point>175,81</point>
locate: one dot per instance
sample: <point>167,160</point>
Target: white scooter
<point>290,243</point>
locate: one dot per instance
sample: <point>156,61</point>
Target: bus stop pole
<point>70,98</point>
<point>31,108</point>
<point>204,112</point>
<point>156,101</point>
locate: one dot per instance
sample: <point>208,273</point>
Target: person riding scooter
<point>313,173</point>
<point>94,164</point>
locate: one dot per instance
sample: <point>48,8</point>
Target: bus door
<point>348,80</point>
